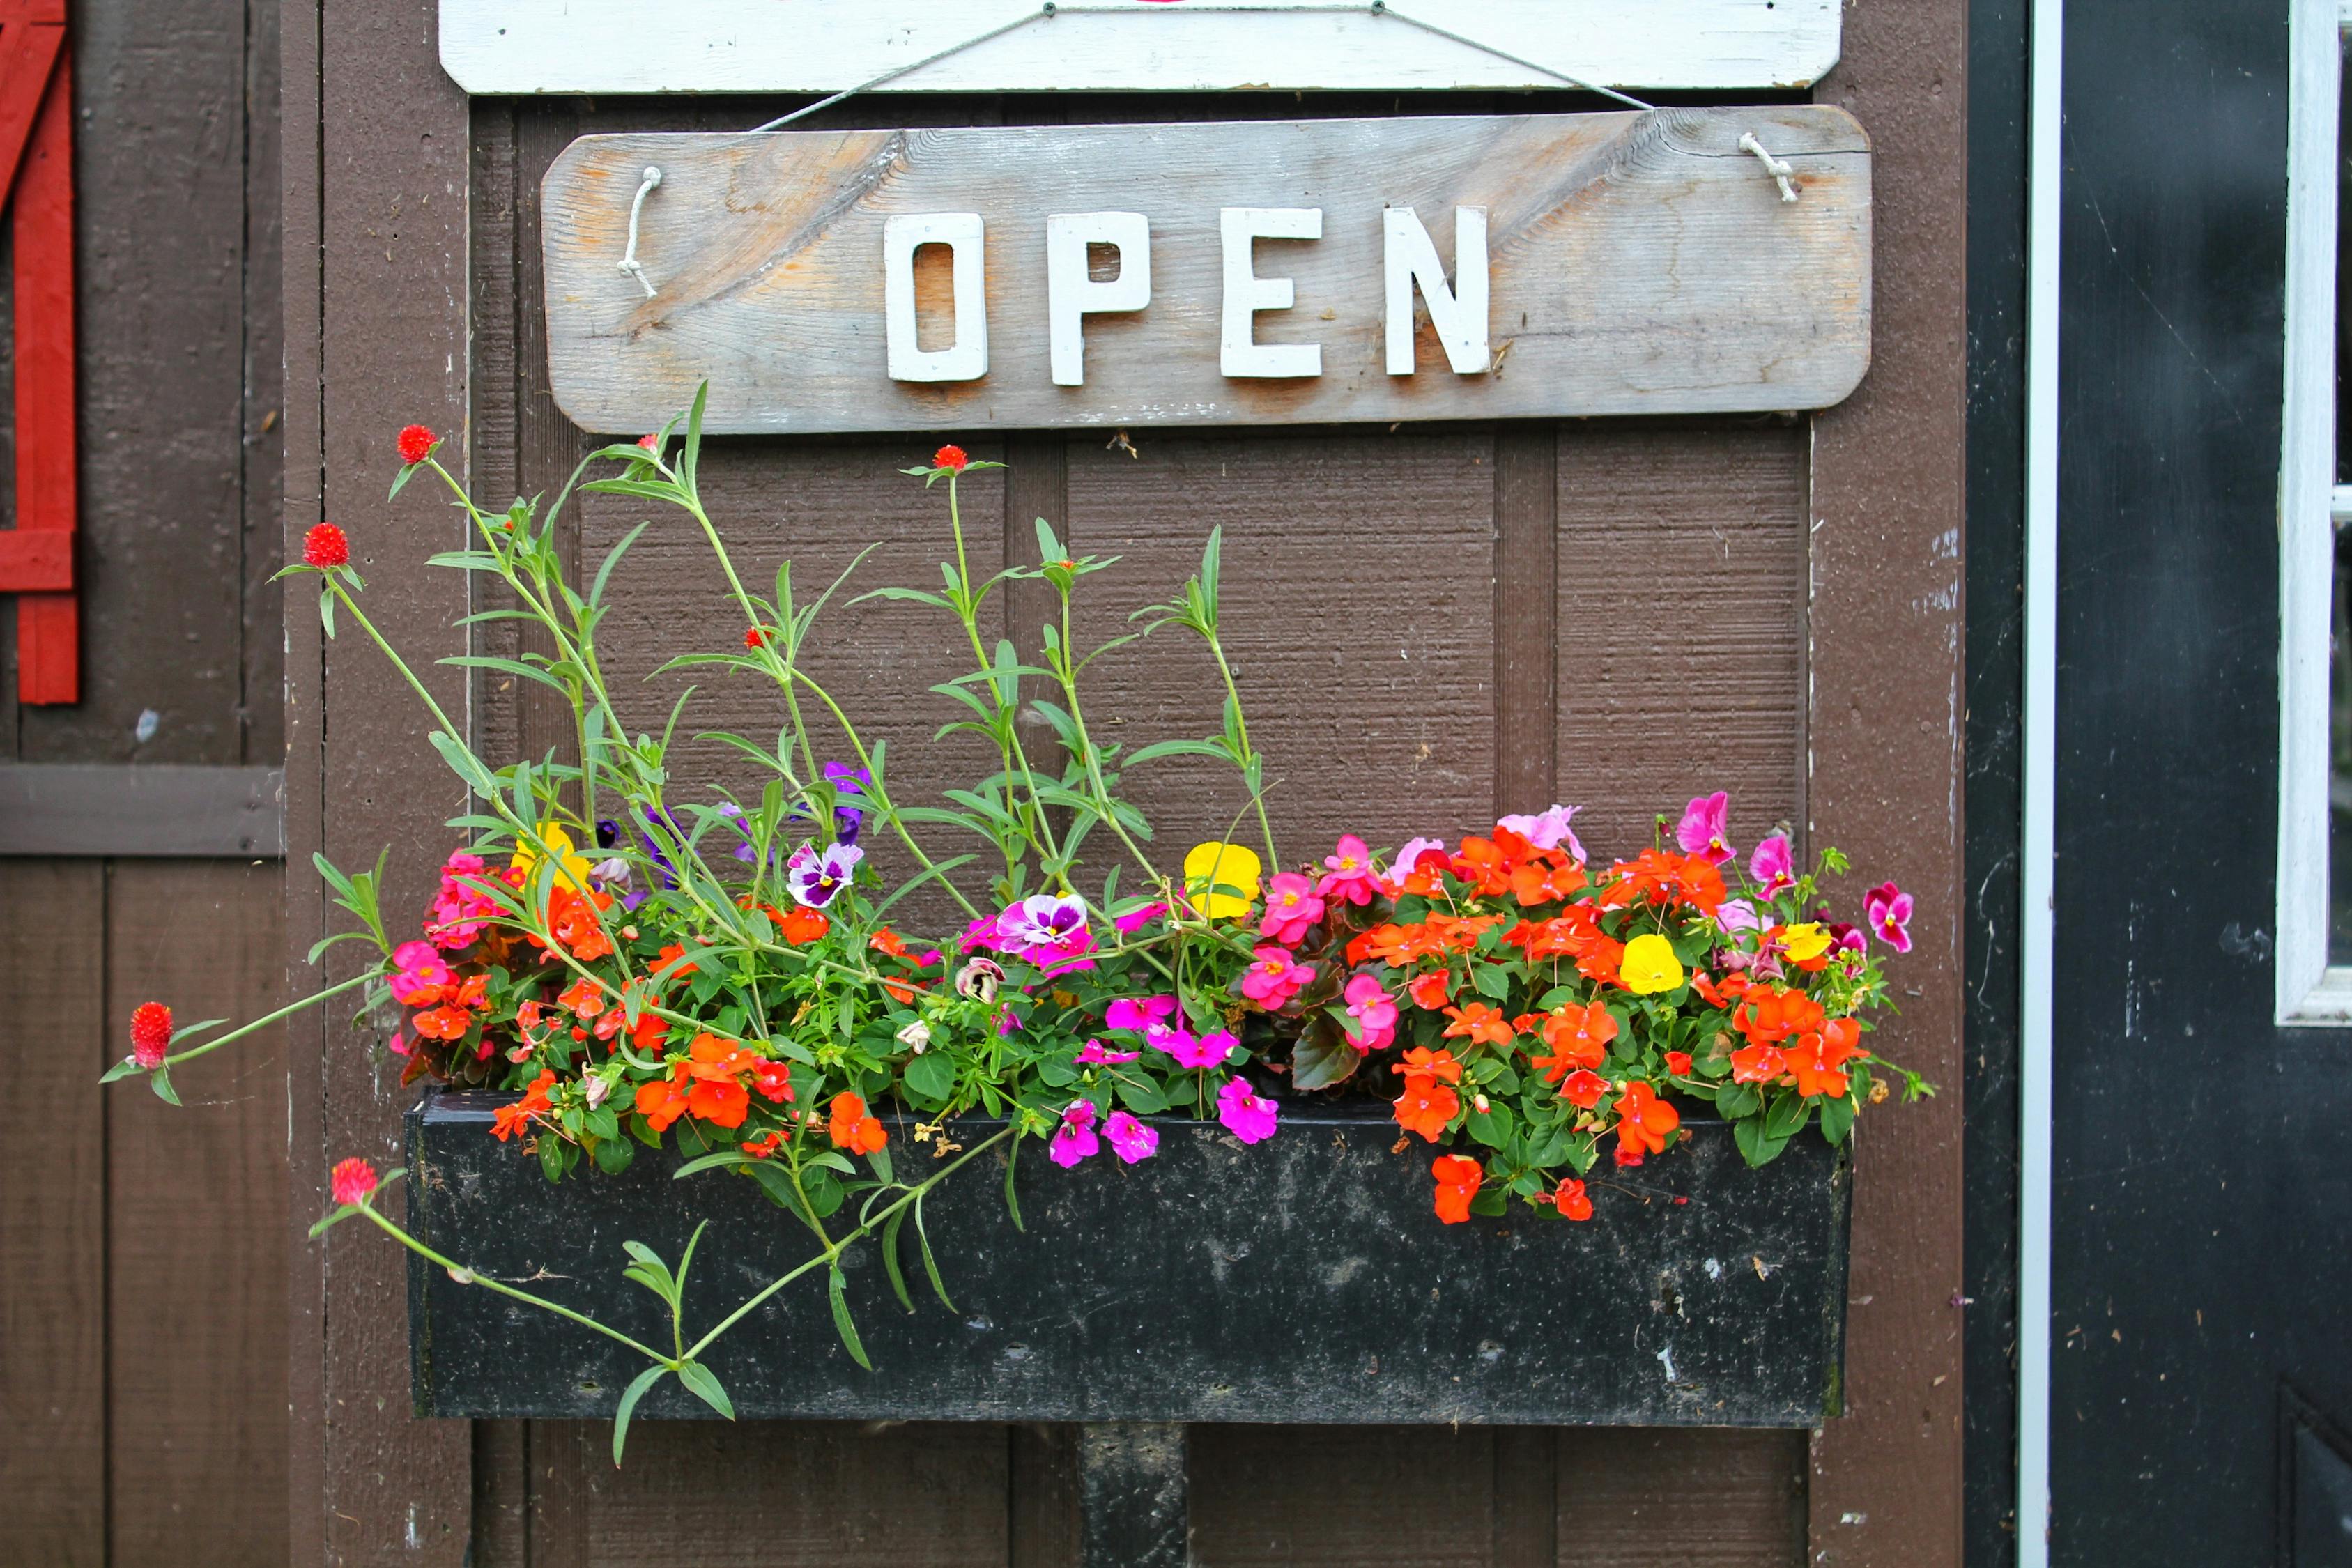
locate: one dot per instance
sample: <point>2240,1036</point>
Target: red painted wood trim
<point>41,207</point>
<point>35,561</point>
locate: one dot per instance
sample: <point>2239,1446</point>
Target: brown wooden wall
<point>143,1251</point>
<point>1605,613</point>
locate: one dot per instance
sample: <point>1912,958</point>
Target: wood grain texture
<point>1682,595</point>
<point>1526,617</point>
<point>53,1212</point>
<point>746,46</point>
<point>1694,1499</point>
<point>41,226</point>
<point>1640,264</point>
<point>1352,1497</point>
<point>1889,487</point>
<point>812,1495</point>
<point>385,347</point>
<point>1042,1509</point>
<point>196,1211</point>
<point>263,482</point>
<point>1357,586</point>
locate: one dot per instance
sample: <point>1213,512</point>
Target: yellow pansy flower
<point>1229,869</point>
<point>1650,965</point>
<point>574,865</point>
<point>1805,942</point>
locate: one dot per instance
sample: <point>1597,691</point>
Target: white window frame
<point>2310,991</point>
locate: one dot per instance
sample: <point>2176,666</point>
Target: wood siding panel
<point>1358,587</point>
<point>52,1213</point>
<point>1347,1497</point>
<point>1682,616</point>
<point>800,1495</point>
<point>1691,1498</point>
<point>196,1226</point>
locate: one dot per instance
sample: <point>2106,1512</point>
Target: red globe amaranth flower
<point>755,637</point>
<point>416,443</point>
<point>952,458</point>
<point>650,441</point>
<point>353,1179</point>
<point>150,1034</point>
<point>325,545</point>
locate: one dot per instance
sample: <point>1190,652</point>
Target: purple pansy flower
<point>1848,938</point>
<point>815,875</point>
<point>1131,1140</point>
<point>1074,1140</point>
<point>1548,830</point>
<point>1248,1114</point>
<point>847,782</point>
<point>1705,828</point>
<point>1889,910</point>
<point>1048,929</point>
<point>1772,867</point>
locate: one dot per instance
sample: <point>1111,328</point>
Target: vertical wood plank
<point>501,1531</point>
<point>53,1211</point>
<point>1887,786</point>
<point>801,1495</point>
<point>1043,1502</point>
<point>1527,1497</point>
<point>262,703</point>
<point>1343,1497</point>
<point>196,1225</point>
<point>41,214</point>
<point>1526,617</point>
<point>388,188</point>
<point>560,1455</point>
<point>496,383</point>
<point>1359,593</point>
<point>1680,1497</point>
<point>1682,584</point>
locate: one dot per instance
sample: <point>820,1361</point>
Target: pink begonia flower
<point>1375,1013</point>
<point>1131,1140</point>
<point>1138,1013</point>
<point>1772,868</point>
<point>1350,876</point>
<point>1247,1115</point>
<point>1274,977</point>
<point>1547,831</point>
<point>397,1045</point>
<point>419,974</point>
<point>1408,856</point>
<point>1074,1139</point>
<point>460,907</point>
<point>1135,920</point>
<point>1291,906</point>
<point>1736,915</point>
<point>1889,910</point>
<point>1705,828</point>
<point>1097,1054</point>
<point>1195,1053</point>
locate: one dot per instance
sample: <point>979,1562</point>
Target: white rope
<point>629,263</point>
<point>1780,168</point>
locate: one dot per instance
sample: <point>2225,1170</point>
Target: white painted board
<point>502,46</point>
<point>1636,264</point>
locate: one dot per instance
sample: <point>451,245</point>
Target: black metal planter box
<point>1304,1279</point>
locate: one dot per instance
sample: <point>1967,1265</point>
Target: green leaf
<point>1735,1101</point>
<point>464,763</point>
<point>1757,1146</point>
<point>1323,1055</point>
<point>1491,980</point>
<point>1011,1162</point>
<point>931,1075</point>
<point>161,1081</point>
<point>629,1397</point>
<point>1837,1118</point>
<point>890,1259</point>
<point>614,1155</point>
<point>836,1289</point>
<point>613,559</point>
<point>931,1264</point>
<point>709,1161</point>
<point>1177,748</point>
<point>122,1068</point>
<point>706,1387</point>
<point>1142,1096</point>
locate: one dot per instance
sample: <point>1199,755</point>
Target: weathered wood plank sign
<point>1253,273</point>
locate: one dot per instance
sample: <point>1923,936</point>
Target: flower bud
<point>916,1036</point>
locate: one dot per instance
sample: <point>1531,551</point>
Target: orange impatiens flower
<point>1662,877</point>
<point>1725,995</point>
<point>584,998</point>
<point>1548,879</point>
<point>1644,1123</point>
<point>804,926</point>
<point>508,1120</point>
<point>1579,1037</point>
<point>1422,1062</point>
<point>1770,1018</point>
<point>1429,992</point>
<point>1583,1089</point>
<point>885,939</point>
<point>1459,1177</point>
<point>1479,1023</point>
<point>661,1102</point>
<point>853,1128</point>
<point>443,1023</point>
<point>1817,1060</point>
<point>1426,1107</point>
<point>1571,1201</point>
<point>1757,1064</point>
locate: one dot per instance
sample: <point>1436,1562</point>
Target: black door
<point>2202,1283</point>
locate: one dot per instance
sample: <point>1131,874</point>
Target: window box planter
<point>1303,1280</point>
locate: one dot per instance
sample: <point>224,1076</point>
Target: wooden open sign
<point>1270,272</point>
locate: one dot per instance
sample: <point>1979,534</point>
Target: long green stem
<point>471,1277</point>
<point>286,1012</point>
<point>1249,753</point>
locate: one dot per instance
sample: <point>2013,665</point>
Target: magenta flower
<point>1136,918</point>
<point>1274,977</point>
<point>1772,868</point>
<point>1049,930</point>
<point>460,907</point>
<point>1350,876</point>
<point>1074,1139</point>
<point>1194,1054</point>
<point>1736,915</point>
<point>1097,1054</point>
<point>420,975</point>
<point>1291,906</point>
<point>1704,830</point>
<point>1888,908</point>
<point>814,875</point>
<point>1247,1115</point>
<point>1131,1140</point>
<point>1845,937</point>
<point>1409,858</point>
<point>1547,831</point>
<point>1138,1013</point>
<point>1375,1013</point>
